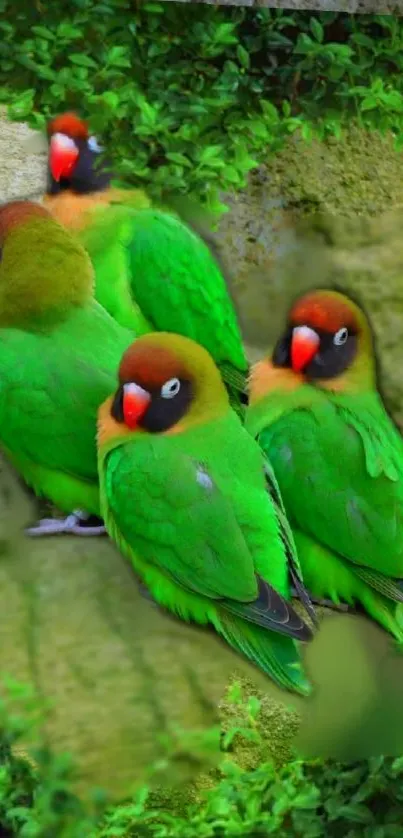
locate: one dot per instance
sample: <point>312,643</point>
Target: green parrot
<point>59,351</point>
<point>153,273</point>
<point>190,499</point>
<point>337,456</point>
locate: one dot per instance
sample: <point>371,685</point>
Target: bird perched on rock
<point>152,271</point>
<point>59,351</point>
<point>189,497</point>
<point>336,454</point>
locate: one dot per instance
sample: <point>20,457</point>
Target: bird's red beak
<point>135,404</point>
<point>63,155</point>
<point>304,346</point>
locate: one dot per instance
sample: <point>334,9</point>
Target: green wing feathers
<point>278,657</point>
<point>106,240</point>
<point>327,574</point>
<point>184,513</point>
<point>153,273</point>
<point>180,288</point>
<point>338,463</point>
<point>51,386</point>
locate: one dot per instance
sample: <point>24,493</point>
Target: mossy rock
<point>315,216</point>
<point>120,673</point>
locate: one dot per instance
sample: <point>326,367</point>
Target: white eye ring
<point>63,141</point>
<point>93,144</point>
<point>170,388</point>
<point>340,336</point>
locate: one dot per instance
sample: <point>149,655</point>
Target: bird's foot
<point>78,523</point>
<point>327,603</point>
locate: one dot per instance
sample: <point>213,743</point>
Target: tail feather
<point>294,568</point>
<point>384,585</point>
<point>271,611</point>
<point>275,654</point>
<point>236,384</point>
<point>235,378</point>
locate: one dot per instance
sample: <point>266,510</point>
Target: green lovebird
<point>337,456</point>
<point>59,351</point>
<point>189,498</point>
<point>153,273</point>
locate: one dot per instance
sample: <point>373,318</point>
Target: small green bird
<point>153,273</point>
<point>59,351</point>
<point>337,456</point>
<point>189,497</point>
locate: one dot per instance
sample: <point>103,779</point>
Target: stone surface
<point>352,6</point>
<point>22,161</point>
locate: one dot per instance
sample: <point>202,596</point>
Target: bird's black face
<point>316,353</point>
<point>86,175</point>
<point>154,409</point>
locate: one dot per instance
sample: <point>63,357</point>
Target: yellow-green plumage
<point>338,459</point>
<point>59,350</point>
<point>192,509</point>
<point>153,273</point>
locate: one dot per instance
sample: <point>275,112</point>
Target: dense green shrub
<point>190,97</point>
<point>305,799</point>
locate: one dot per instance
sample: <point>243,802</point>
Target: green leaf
<point>22,105</point>
<point>270,111</point>
<point>148,113</point>
<point>316,29</point>
<point>258,128</point>
<point>356,813</point>
<point>117,56</point>
<point>231,175</point>
<point>363,40</point>
<point>153,8</point>
<point>82,60</point>
<point>307,131</point>
<point>176,157</point>
<point>46,73</point>
<point>308,799</point>
<point>304,44</point>
<point>57,90</point>
<point>210,153</point>
<point>369,103</point>
<point>243,56</point>
<point>43,32</point>
<point>224,33</point>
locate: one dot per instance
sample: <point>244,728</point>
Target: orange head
<point>15,213</point>
<point>166,380</point>
<point>327,335</point>
<point>72,152</point>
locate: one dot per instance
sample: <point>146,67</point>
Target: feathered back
<point>44,272</point>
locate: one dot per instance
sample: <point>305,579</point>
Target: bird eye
<point>170,388</point>
<point>340,336</point>
<point>93,144</point>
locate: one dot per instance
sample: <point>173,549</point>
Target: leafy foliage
<point>306,799</point>
<point>194,112</point>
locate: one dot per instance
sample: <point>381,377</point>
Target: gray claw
<point>326,603</point>
<point>72,525</point>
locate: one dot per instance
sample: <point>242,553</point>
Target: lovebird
<point>59,350</point>
<point>153,273</point>
<point>190,499</point>
<point>316,411</point>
